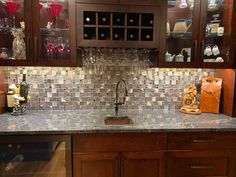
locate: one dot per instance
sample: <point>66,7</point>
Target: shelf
<point>179,35</point>
<point>214,35</point>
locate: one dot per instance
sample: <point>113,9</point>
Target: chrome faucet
<point>117,103</point>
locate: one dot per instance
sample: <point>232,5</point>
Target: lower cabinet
<point>209,163</point>
<point>96,165</point>
<point>142,164</point>
<point>124,164</point>
<point>155,155</point>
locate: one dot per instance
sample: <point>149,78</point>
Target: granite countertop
<point>92,121</point>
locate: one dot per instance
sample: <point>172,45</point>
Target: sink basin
<point>118,120</point>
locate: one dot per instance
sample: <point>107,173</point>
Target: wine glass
<point>50,47</point>
<point>60,46</point>
<point>56,9</point>
<point>40,6</point>
<point>12,8</point>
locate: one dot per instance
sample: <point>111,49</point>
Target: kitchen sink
<point>118,120</point>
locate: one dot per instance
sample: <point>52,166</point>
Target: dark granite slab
<point>92,121</point>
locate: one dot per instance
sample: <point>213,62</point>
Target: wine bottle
<point>10,101</point>
<point>104,19</point>
<point>87,19</point>
<point>151,22</point>
<point>116,36</point>
<point>131,21</point>
<point>24,88</point>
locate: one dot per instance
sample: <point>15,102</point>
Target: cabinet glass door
<point>35,156</point>
<point>216,32</point>
<point>181,33</point>
<point>15,32</point>
<point>53,33</point>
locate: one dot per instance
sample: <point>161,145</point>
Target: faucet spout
<point>117,103</point>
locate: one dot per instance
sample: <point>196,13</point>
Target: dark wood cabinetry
<point>142,164</point>
<point>201,154</point>
<point>48,38</point>
<point>118,26</point>
<point>203,32</point>
<point>119,155</point>
<point>101,164</point>
<point>201,163</point>
<point>155,154</point>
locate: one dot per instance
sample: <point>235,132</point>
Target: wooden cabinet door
<point>96,165</point>
<point>201,163</point>
<point>15,40</point>
<point>180,42</point>
<point>54,33</point>
<point>216,34</point>
<point>143,164</point>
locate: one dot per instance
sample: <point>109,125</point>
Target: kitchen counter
<point>92,121</point>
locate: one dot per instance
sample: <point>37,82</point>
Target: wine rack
<point>118,26</point>
<point>122,26</point>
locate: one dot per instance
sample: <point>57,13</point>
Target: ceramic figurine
<point>49,26</point>
<point>19,49</point>
<point>190,102</point>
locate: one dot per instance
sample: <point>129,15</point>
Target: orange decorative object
<point>210,95</point>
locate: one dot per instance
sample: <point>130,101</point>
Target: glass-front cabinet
<point>181,33</point>
<point>37,32</point>
<point>198,34</point>
<point>215,36</point>
<point>54,32</point>
<point>15,32</point>
<point>30,156</point>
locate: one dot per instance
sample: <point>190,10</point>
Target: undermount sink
<point>118,120</point>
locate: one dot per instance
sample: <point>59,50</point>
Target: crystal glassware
<point>12,8</point>
<point>56,9</point>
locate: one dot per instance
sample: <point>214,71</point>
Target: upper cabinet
<point>37,32</point>
<point>53,30</point>
<point>118,26</point>
<point>216,34</point>
<point>198,34</point>
<point>180,33</point>
<point>15,32</point>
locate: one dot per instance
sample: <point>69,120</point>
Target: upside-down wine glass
<point>12,8</point>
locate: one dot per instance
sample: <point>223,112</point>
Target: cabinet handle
<point>201,166</point>
<point>36,46</point>
<point>202,46</point>
<point>28,46</point>
<point>203,140</point>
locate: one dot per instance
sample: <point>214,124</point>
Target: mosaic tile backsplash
<point>94,87</point>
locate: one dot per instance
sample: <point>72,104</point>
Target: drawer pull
<point>201,166</point>
<point>203,140</point>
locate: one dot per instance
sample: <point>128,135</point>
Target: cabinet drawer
<point>201,167</point>
<point>119,142</point>
<point>141,2</point>
<point>98,1</point>
<point>204,140</point>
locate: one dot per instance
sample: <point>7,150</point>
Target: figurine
<point>49,26</point>
<point>22,25</point>
<point>19,49</point>
<point>189,101</point>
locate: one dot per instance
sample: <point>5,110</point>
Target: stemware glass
<point>40,6</point>
<point>50,47</point>
<point>12,8</point>
<point>56,9</point>
<point>60,47</point>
